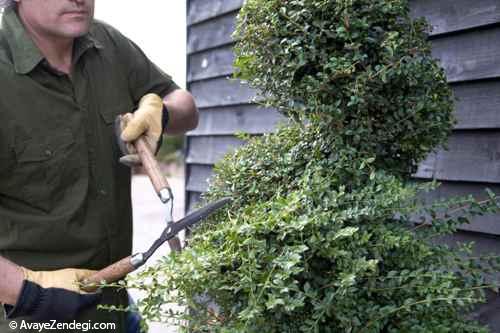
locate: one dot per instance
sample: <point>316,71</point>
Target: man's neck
<point>57,50</point>
<point>59,53</point>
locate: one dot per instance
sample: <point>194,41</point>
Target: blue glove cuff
<point>27,303</point>
<point>43,304</point>
<point>164,118</point>
<point>164,122</point>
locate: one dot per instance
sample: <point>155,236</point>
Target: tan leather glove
<point>147,120</point>
<point>47,295</point>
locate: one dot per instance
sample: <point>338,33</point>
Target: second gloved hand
<point>147,120</point>
<point>52,295</point>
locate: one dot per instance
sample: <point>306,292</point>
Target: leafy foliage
<point>322,233</point>
<point>361,65</point>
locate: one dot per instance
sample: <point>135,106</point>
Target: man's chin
<point>75,32</point>
<point>74,28</point>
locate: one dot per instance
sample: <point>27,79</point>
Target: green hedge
<point>321,236</point>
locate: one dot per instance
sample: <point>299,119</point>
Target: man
<point>65,207</point>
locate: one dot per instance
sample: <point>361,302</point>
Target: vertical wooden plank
<point>469,56</point>
<point>209,34</point>
<point>454,15</point>
<point>193,198</point>
<point>200,10</point>
<point>211,63</point>
<point>228,120</point>
<point>221,92</point>
<point>210,149</point>
<point>477,104</point>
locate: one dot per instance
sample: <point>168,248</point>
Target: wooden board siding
<point>221,92</point>
<point>488,224</point>
<point>212,63</point>
<point>472,156</point>
<point>456,15</point>
<point>465,37</point>
<point>210,149</point>
<point>201,10</point>
<point>477,105</point>
<point>210,34</point>
<point>227,120</point>
<point>472,55</point>
<point>198,179</point>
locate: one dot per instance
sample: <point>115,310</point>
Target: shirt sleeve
<point>143,75</point>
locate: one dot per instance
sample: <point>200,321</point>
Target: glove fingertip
<point>130,160</point>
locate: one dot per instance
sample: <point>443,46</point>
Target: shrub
<point>321,236</point>
<point>363,66</point>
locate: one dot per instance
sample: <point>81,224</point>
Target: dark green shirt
<point>64,198</point>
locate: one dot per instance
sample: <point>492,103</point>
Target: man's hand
<point>52,295</point>
<point>147,120</point>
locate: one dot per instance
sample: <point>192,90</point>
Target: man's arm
<point>43,295</point>
<point>11,281</point>
<point>182,112</point>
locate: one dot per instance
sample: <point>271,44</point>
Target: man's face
<point>57,18</point>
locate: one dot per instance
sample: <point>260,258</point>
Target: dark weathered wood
<point>199,176</point>
<point>477,104</point>
<point>211,33</point>
<point>221,92</point>
<point>201,10</point>
<point>470,56</point>
<point>241,118</point>
<point>212,63</point>
<point>427,167</point>
<point>489,224</point>
<point>210,149</point>
<point>472,156</point>
<point>454,15</point>
<point>443,15</point>
<point>486,313</point>
<point>484,243</point>
<point>480,60</point>
<point>193,200</point>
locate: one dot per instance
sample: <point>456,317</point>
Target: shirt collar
<point>25,54</point>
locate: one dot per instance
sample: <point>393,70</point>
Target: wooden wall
<point>225,106</point>
<point>466,39</point>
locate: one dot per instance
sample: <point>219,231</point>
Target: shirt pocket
<point>110,112</point>
<point>109,117</point>
<point>41,171</point>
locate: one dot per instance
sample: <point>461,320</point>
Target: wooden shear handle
<point>112,273</point>
<point>151,166</point>
<point>157,178</point>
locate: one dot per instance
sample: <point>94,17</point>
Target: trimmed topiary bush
<point>322,233</point>
<point>363,66</point>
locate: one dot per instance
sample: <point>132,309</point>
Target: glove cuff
<point>165,117</point>
<point>164,122</point>
<point>27,303</point>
